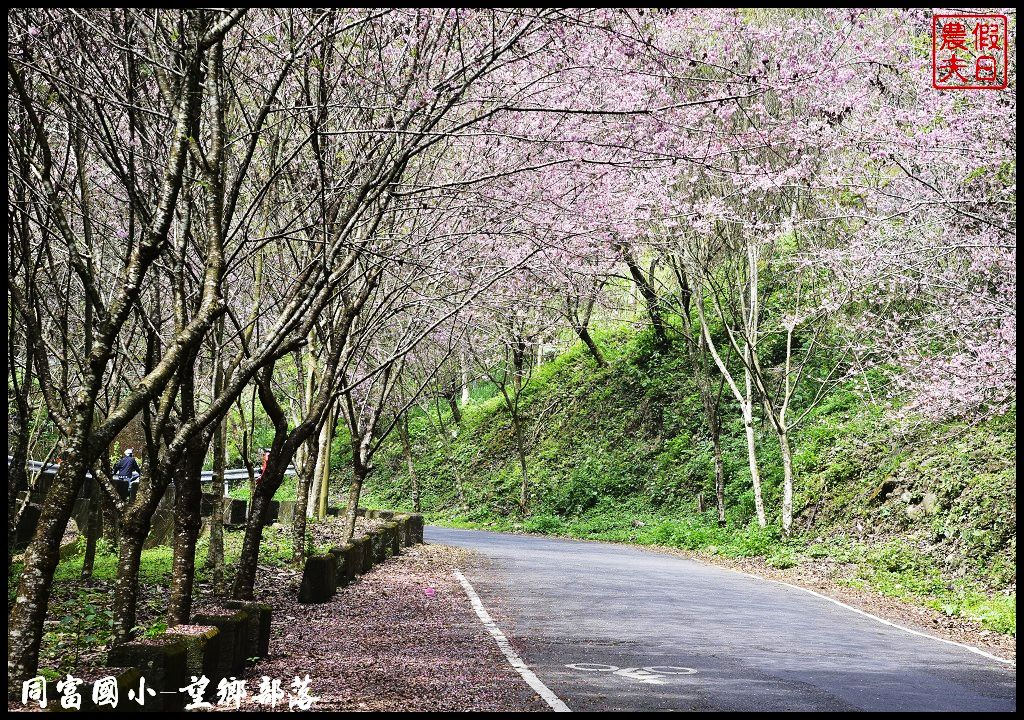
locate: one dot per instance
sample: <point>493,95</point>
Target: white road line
<point>971,648</point>
<point>503,644</point>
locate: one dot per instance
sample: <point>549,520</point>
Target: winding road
<point>611,627</point>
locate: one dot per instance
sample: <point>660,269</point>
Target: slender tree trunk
<point>714,425</point>
<point>135,525</point>
<point>407,451</point>
<point>650,297</point>
<point>464,371</point>
<point>755,476</point>
<point>787,482</point>
<point>325,481</point>
<point>313,493</point>
<point>111,522</point>
<point>355,489</point>
<point>299,519</point>
<point>17,477</point>
<point>302,500</point>
<point>595,351</point>
<point>94,529</point>
<point>17,474</point>
<point>698,349</point>
<point>524,496</point>
<point>325,488</point>
<point>454,405</point>
<point>320,470</point>
<point>716,441</point>
<point>215,551</point>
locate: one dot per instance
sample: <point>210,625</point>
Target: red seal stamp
<point>970,52</point>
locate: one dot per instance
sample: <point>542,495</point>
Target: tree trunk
<point>524,496</point>
<point>454,405</point>
<point>302,500</point>
<point>355,489</point>
<point>25,622</point>
<point>755,476</point>
<point>188,495</point>
<point>325,480</point>
<point>94,529</point>
<point>16,478</point>
<point>215,550</point>
<point>716,441</point>
<point>126,588</point>
<point>407,451</point>
<point>111,522</point>
<point>650,297</point>
<point>595,351</point>
<point>319,471</point>
<point>464,372</point>
<point>787,482</point>
<point>135,525</point>
<point>245,578</point>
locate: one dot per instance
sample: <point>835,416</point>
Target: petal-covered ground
<point>402,637</point>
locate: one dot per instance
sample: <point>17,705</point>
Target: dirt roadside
<point>402,637</point>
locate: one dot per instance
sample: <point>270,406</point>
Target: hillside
<point>915,510</point>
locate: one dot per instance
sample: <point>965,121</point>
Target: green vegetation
<point>83,608</point>
<point>911,509</point>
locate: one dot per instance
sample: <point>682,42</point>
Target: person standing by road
<point>126,474</point>
<point>263,468</point>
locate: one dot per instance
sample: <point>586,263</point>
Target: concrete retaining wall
<point>126,678</point>
<point>224,640</point>
<point>318,580</point>
<point>259,625</point>
<point>323,574</point>
<point>163,661</point>
<point>234,626</point>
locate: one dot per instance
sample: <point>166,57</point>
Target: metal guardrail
<point>207,475</point>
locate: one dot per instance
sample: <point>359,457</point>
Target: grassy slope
<point>621,453</point>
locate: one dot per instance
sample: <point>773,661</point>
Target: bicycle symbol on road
<point>650,674</point>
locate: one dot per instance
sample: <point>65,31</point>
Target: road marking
<point>670,670</point>
<point>503,644</point>
<point>975,650</point>
<point>644,676</point>
<point>593,667</point>
<point>652,674</point>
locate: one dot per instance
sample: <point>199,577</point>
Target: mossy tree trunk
<point>126,587</point>
<point>325,466</point>
<point>355,489</point>
<point>215,551</point>
<point>187,524</point>
<point>305,473</point>
<point>94,529</point>
<point>25,621</point>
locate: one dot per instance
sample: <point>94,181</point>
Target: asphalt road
<point>711,638</point>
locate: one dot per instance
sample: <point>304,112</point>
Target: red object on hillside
<point>263,469</point>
